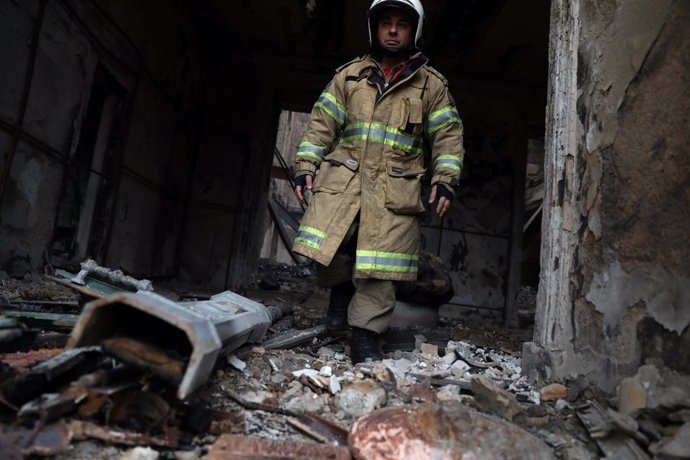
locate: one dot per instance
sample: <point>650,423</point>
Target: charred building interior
<point>156,137</point>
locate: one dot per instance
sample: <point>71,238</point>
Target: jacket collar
<point>375,74</point>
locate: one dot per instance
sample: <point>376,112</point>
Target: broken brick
<point>235,447</point>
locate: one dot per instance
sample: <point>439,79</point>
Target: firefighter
<point>363,158</point>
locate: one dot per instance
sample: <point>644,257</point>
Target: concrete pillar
<point>615,268</point>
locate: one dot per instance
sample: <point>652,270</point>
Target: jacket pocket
<point>336,172</point>
<point>412,119</point>
<point>404,188</point>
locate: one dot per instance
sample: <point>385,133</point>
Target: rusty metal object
<point>199,332</point>
<point>22,361</point>
<point>83,430</point>
<point>147,408</point>
<point>236,447</point>
<point>26,386</point>
<point>93,404</point>
<point>90,267</point>
<point>166,364</point>
<point>448,431</point>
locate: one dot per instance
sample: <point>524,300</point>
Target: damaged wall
<point>615,281</point>
<point>32,187</point>
<point>152,53</point>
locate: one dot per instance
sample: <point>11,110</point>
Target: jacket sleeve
<point>444,132</point>
<point>325,125</point>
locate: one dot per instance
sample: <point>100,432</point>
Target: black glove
<point>301,181</point>
<point>442,191</point>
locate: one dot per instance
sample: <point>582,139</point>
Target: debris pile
<point>398,379</point>
<point>652,417</point>
<point>140,380</point>
<point>323,380</point>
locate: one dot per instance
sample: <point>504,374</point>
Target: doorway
<point>284,211</point>
<point>83,215</point>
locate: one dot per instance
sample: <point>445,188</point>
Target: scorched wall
<point>615,281</point>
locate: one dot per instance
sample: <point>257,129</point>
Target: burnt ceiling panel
<point>496,40</point>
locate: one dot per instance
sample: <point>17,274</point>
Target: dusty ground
<point>267,377</point>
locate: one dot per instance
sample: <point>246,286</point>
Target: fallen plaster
<point>665,295</point>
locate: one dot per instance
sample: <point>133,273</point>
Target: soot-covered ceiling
<point>503,41</point>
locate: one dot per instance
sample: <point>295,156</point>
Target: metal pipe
<point>198,332</point>
<point>90,266</point>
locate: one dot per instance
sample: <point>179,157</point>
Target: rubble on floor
<point>453,392</point>
<point>441,431</point>
<point>652,416</point>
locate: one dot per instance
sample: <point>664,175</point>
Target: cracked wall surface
<point>155,55</point>
<point>615,283</point>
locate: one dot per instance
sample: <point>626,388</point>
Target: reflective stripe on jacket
<point>381,132</point>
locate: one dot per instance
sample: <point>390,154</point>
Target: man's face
<point>395,29</point>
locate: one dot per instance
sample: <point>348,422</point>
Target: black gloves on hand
<point>301,181</point>
<point>442,191</point>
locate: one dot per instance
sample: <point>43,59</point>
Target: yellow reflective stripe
<point>387,261</point>
<point>312,230</point>
<point>309,150</point>
<point>306,242</point>
<point>386,268</point>
<point>310,236</point>
<point>331,106</point>
<point>441,118</point>
<point>377,132</point>
<point>448,162</point>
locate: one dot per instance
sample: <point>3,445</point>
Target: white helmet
<point>413,7</point>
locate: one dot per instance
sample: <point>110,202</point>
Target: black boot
<point>365,344</point>
<point>336,318</point>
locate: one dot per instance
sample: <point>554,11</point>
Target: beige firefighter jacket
<point>380,132</point>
